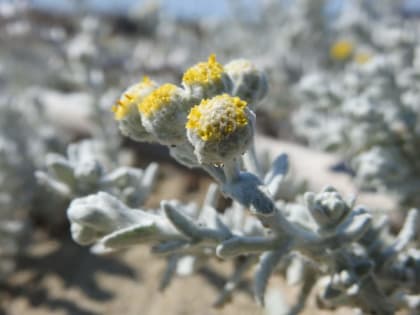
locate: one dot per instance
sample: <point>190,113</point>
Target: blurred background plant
<point>364,106</point>
<point>343,78</point>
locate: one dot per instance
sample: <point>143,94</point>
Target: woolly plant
<point>208,123</point>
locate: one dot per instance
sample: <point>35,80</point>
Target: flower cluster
<point>209,119</point>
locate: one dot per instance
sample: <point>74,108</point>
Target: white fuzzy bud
<point>164,114</point>
<point>249,83</point>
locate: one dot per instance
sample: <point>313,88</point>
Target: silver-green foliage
<point>84,171</point>
<point>353,258</point>
<point>25,137</point>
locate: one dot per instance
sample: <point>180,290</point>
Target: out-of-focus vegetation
<point>344,81</point>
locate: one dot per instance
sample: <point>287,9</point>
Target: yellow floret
<point>214,119</point>
<point>159,98</point>
<point>122,107</point>
<point>129,97</point>
<point>206,73</point>
<point>362,58</point>
<point>341,50</point>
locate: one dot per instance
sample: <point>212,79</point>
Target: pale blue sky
<point>192,8</point>
<point>182,8</point>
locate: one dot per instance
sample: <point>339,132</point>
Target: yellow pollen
<point>341,50</point>
<point>130,97</point>
<point>206,73</point>
<point>215,119</point>
<point>146,80</point>
<point>159,98</point>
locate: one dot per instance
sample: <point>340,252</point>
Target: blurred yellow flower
<point>341,50</point>
<point>362,58</point>
<point>132,96</point>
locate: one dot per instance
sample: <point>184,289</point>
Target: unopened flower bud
<point>249,83</point>
<point>328,208</point>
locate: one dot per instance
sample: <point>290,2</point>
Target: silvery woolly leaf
<point>278,171</point>
<point>146,232</point>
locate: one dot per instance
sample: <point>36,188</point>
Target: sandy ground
<point>63,278</point>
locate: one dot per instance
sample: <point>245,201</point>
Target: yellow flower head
<point>214,119</point>
<point>204,73</point>
<point>341,50</point>
<point>362,58</point>
<point>132,96</point>
<point>158,99</point>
